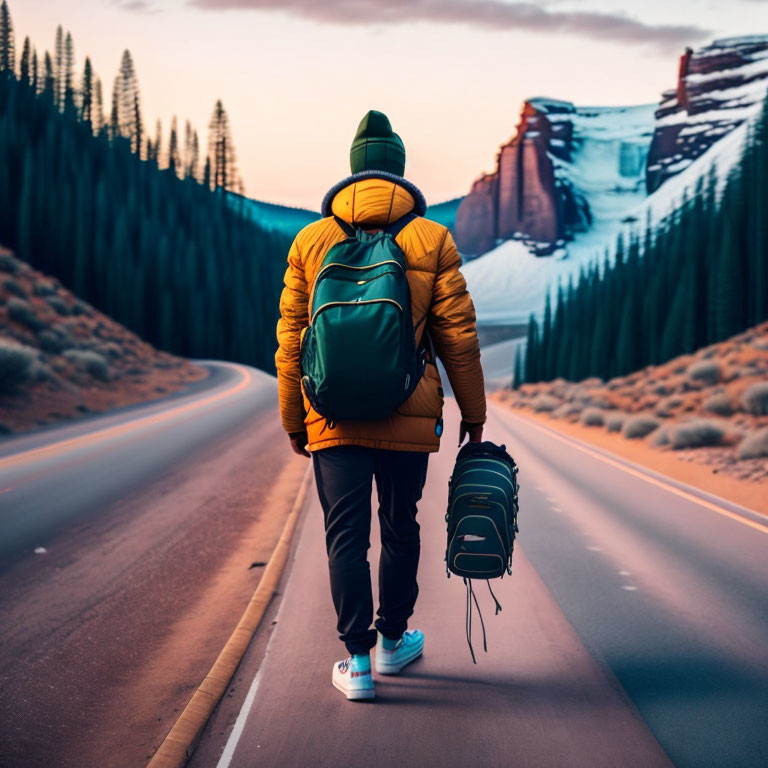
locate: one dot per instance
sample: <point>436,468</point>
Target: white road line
<point>245,710</point>
<point>242,717</point>
<point>671,485</point>
<point>629,588</point>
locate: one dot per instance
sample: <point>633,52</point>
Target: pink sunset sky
<point>297,76</point>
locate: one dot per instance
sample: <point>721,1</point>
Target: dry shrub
<point>665,407</point>
<point>566,410</point>
<point>615,421</point>
<point>14,288</point>
<point>704,371</point>
<point>720,404</point>
<point>16,365</point>
<point>8,263</point>
<point>660,437</point>
<point>544,403</point>
<point>696,434</point>
<point>755,398</point>
<point>90,362</point>
<point>639,426</point>
<point>754,445</point>
<point>592,417</point>
<point>22,312</point>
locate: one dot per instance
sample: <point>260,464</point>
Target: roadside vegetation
<point>61,358</point>
<point>710,406</point>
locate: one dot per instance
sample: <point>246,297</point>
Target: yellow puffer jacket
<point>438,295</point>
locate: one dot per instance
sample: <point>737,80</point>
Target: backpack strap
<point>398,226</point>
<point>393,229</point>
<point>346,228</point>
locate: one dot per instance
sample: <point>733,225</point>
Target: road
<point>58,476</point>
<point>634,632</point>
<point>147,523</point>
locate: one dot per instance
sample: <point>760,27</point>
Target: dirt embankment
<point>708,409</point>
<point>60,358</point>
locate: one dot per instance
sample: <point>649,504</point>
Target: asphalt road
<point>153,521</point>
<point>67,474</point>
<point>633,633</point>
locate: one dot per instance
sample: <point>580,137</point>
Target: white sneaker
<point>409,647</point>
<point>353,683</point>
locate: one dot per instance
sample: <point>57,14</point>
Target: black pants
<point>344,477</point>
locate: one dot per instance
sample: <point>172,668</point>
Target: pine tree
<point>157,144</point>
<point>68,81</point>
<point>114,113</point>
<point>99,123</point>
<point>546,331</point>
<point>174,163</point>
<point>58,70</point>
<point>87,93</point>
<point>221,150</point>
<point>194,169</point>
<point>207,181</point>
<point>138,127</point>
<point>25,64</point>
<point>517,378</point>
<point>7,45</point>
<point>730,285</point>
<point>531,371</point>
<point>33,74</point>
<point>49,78</point>
<point>127,101</point>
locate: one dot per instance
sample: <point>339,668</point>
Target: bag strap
<point>393,229</point>
<point>346,228</point>
<point>398,226</point>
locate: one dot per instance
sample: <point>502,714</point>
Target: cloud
<point>485,14</point>
<point>141,6</point>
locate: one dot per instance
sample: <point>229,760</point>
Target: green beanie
<point>376,147</point>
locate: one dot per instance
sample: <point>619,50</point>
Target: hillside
<point>710,407</point>
<point>60,358</point>
<point>286,220</point>
<point>572,179</point>
<point>569,169</point>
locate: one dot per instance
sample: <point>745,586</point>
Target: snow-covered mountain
<point>601,171</point>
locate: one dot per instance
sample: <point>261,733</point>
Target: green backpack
<point>358,355</point>
<point>482,521</point>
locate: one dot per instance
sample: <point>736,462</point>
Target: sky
<point>296,76</point>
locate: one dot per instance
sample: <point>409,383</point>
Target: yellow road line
<point>48,451</point>
<point>179,744</point>
<point>643,476</point>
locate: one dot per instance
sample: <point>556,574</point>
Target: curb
<point>177,747</point>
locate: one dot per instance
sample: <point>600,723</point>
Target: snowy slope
<point>509,283</point>
<point>615,155</point>
<point>607,166</point>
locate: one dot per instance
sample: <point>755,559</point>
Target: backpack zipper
<point>491,471</point>
<point>479,517</point>
<point>490,501</point>
<point>326,267</point>
<point>345,303</point>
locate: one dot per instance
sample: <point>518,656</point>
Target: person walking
<point>349,454</point>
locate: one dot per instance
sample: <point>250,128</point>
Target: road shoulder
<point>745,493</point>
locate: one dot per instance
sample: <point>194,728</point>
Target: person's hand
<point>299,443</point>
<point>474,431</point>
